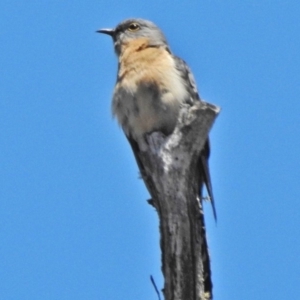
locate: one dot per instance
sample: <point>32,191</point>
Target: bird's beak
<point>108,31</point>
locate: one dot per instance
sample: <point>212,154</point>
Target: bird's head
<point>134,29</point>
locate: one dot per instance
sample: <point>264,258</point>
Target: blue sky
<point>74,221</point>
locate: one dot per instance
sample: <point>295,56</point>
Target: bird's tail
<point>206,176</point>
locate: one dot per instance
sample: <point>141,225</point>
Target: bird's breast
<point>148,93</point>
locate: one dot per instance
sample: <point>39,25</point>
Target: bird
<point>152,84</point>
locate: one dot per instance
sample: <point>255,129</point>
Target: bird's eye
<point>133,27</point>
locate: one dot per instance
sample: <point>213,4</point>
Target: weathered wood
<point>171,175</point>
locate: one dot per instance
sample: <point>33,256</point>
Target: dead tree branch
<point>171,176</point>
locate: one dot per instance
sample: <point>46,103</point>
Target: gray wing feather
<point>189,79</point>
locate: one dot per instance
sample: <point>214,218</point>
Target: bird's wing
<point>189,79</point>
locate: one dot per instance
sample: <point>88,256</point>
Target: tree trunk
<point>172,178</point>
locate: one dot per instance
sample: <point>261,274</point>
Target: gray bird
<point>152,83</point>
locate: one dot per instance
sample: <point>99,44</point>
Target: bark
<point>172,178</point>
